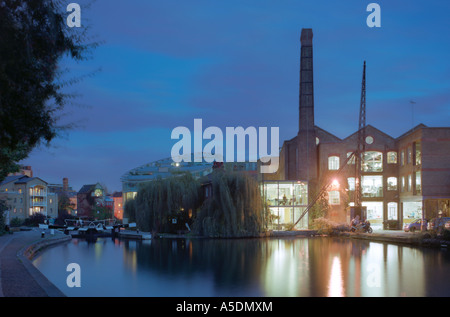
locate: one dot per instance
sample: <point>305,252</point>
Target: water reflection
<point>249,267</point>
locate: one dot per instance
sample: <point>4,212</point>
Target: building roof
<point>9,179</point>
<point>166,168</point>
<point>19,179</point>
<point>86,188</point>
<point>28,179</point>
<point>417,127</point>
<point>369,127</point>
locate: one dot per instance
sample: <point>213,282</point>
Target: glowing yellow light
<point>335,183</point>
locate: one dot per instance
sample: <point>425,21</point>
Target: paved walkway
<point>18,276</point>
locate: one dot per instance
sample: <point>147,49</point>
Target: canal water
<point>247,267</point>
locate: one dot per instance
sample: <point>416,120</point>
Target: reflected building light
<point>335,286</point>
<point>98,251</point>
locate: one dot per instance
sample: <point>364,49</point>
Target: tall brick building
<point>403,178</point>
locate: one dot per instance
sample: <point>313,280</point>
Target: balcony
<point>38,202</point>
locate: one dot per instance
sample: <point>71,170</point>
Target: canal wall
<point>32,250</point>
<point>18,276</point>
<point>413,239</point>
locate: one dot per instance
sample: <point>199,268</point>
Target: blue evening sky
<point>236,63</point>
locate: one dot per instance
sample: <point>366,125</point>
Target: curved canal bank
<point>18,276</point>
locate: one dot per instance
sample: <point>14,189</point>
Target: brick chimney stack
<point>65,184</point>
<point>306,98</point>
<point>306,156</point>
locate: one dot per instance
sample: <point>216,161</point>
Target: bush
<point>16,222</point>
<point>60,221</point>
<point>391,224</point>
<point>328,227</point>
<point>34,220</point>
<point>445,234</point>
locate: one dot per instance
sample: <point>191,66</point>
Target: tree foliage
<point>161,200</point>
<point>33,38</point>
<point>235,209</point>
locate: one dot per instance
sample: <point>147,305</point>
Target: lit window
<point>409,182</point>
<point>418,153</point>
<point>333,163</point>
<point>403,184</point>
<point>392,183</point>
<point>402,158</point>
<point>409,158</point>
<point>418,182</point>
<point>352,160</point>
<point>392,157</point>
<point>351,183</point>
<point>372,185</point>
<point>334,198</point>
<point>317,141</point>
<point>392,211</point>
<point>373,161</point>
<point>369,140</point>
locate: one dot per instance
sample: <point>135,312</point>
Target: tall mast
<point>361,146</point>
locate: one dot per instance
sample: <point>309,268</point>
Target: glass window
<point>281,197</point>
<point>302,224</point>
<point>392,211</point>
<point>369,140</point>
<point>418,182</point>
<point>403,184</point>
<point>392,157</point>
<point>334,198</point>
<point>272,194</point>
<point>392,183</point>
<point>409,182</point>
<point>374,213</point>
<point>409,158</point>
<point>411,211</point>
<point>274,218</point>
<point>286,217</point>
<point>372,186</point>
<point>402,157</point>
<point>285,194</point>
<point>300,194</point>
<point>351,183</point>
<point>352,160</point>
<point>373,161</point>
<point>418,153</point>
<point>333,163</point>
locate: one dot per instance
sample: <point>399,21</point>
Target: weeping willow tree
<point>162,200</point>
<point>235,208</point>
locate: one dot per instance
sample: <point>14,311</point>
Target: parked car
<point>438,223</point>
<point>415,225</point>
